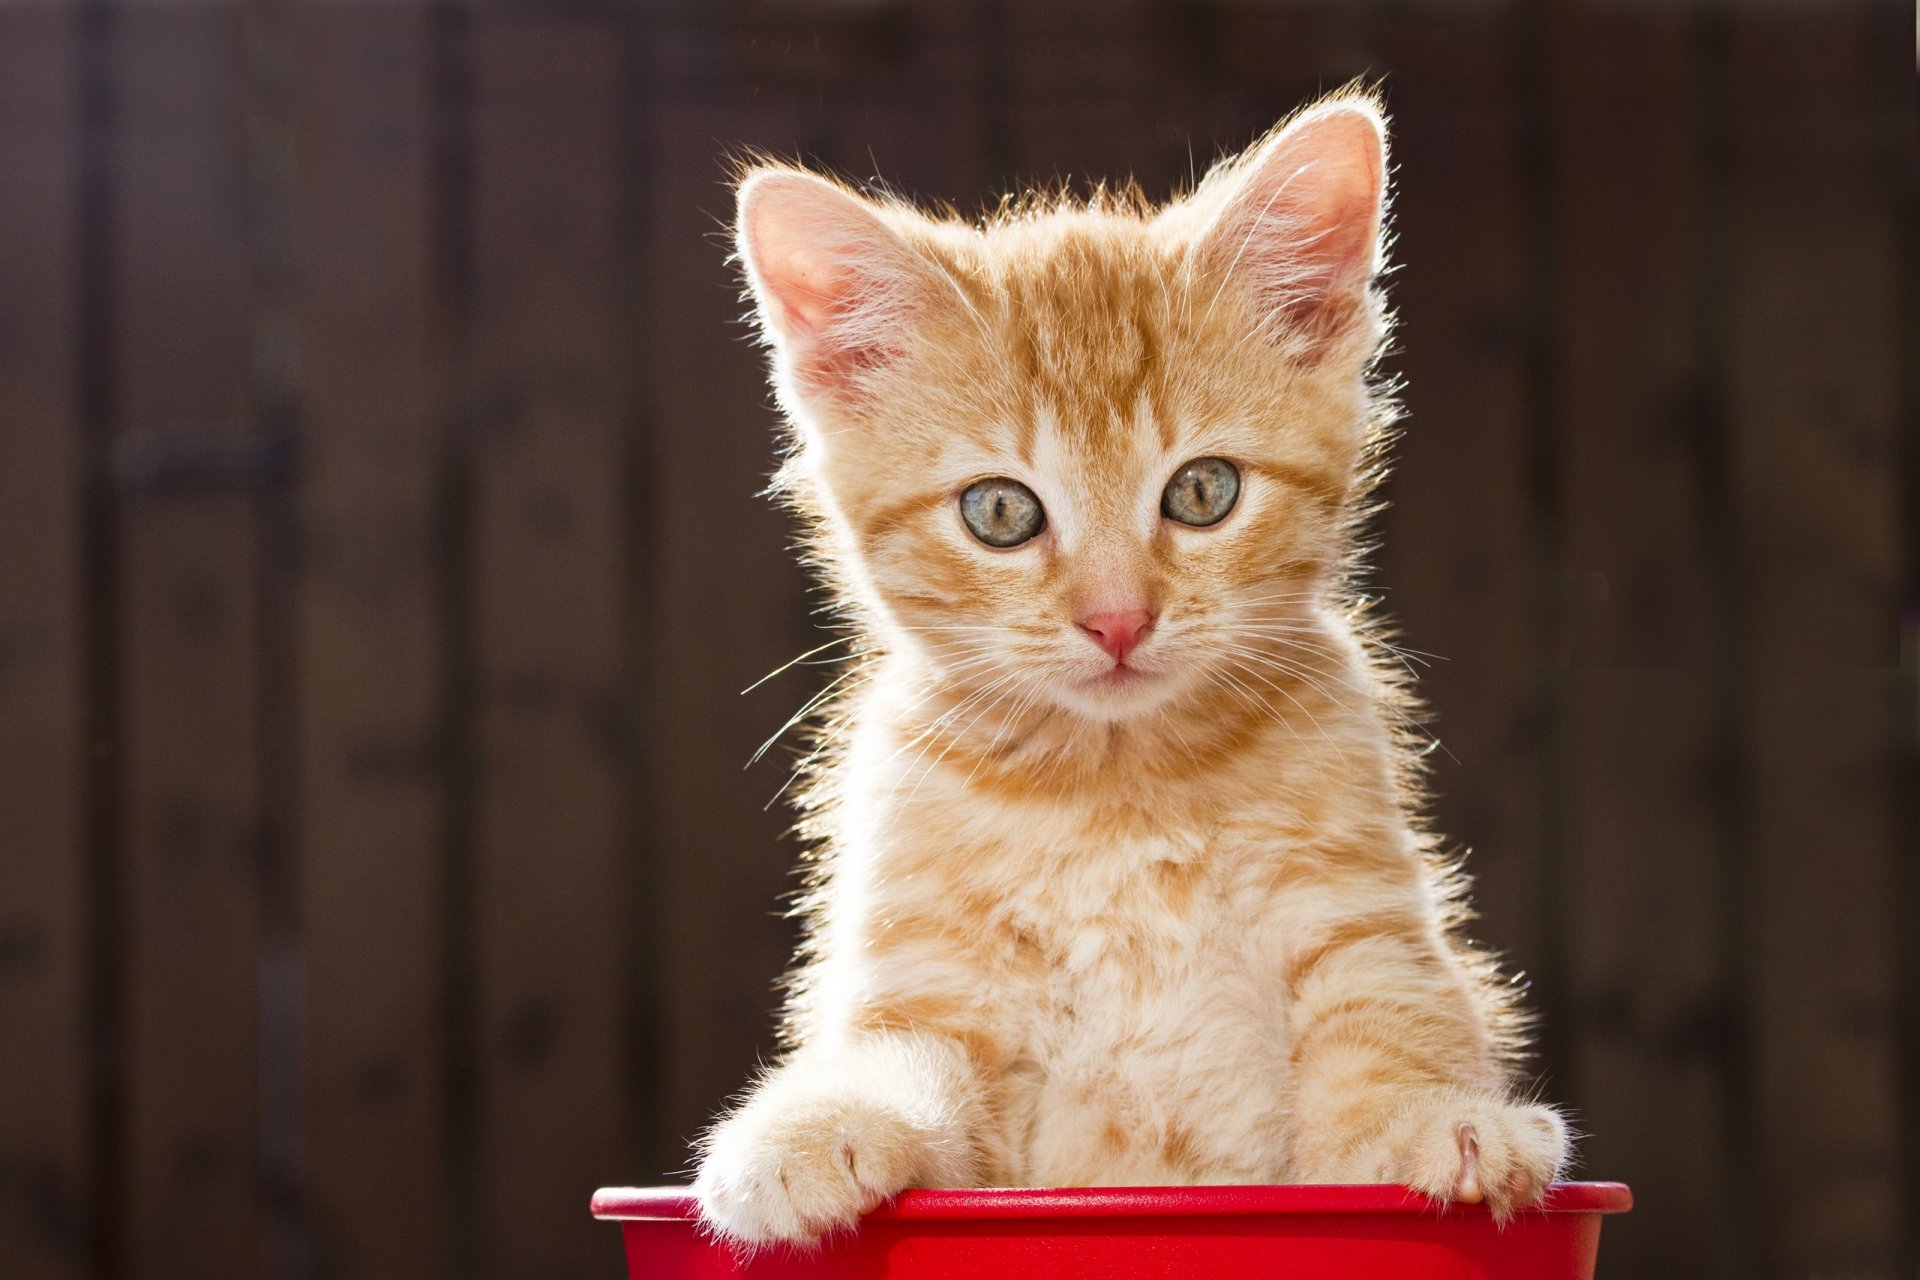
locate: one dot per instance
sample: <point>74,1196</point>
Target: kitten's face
<point>1085,459</point>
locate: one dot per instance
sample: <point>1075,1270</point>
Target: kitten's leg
<point>1396,1077</point>
<point>833,1131</point>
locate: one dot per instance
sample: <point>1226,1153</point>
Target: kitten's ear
<point>836,286</point>
<point>1299,220</point>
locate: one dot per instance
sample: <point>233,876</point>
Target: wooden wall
<point>381,559</point>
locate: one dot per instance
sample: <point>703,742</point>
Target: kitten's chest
<point>1118,914</point>
<point>1121,922</point>
<point>1151,1010</point>
<point>1145,954</point>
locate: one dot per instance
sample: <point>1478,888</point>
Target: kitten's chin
<point>1119,693</point>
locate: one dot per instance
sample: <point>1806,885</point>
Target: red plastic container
<point>1335,1233</point>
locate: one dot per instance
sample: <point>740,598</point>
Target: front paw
<point>795,1172</point>
<point>1470,1148</point>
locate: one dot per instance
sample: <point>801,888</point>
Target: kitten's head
<point>1102,454</point>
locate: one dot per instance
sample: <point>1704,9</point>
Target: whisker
<point>791,663</point>
<point>1311,718</point>
<point>953,740</point>
<point>805,710</point>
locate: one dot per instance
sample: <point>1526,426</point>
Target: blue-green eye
<point>1002,512</point>
<point>1201,492</point>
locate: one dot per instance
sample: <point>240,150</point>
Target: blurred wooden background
<point>381,561</point>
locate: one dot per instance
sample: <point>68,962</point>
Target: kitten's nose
<point>1118,633</point>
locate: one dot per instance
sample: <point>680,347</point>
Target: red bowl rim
<point>668,1204</point>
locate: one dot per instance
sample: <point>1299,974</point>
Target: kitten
<point>1120,873</point>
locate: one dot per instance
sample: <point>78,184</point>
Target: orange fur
<point>1071,924</point>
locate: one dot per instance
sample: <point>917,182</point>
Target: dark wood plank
<point>1647,1019</point>
<point>189,457</point>
<point>1890,89</point>
<point>551,823</point>
<point>721,559</point>
<point>1101,93</point>
<point>1816,381</point>
<point>45,1165</point>
<point>1074,108</point>
<point>1239,68</point>
<point>1468,569</point>
<point>372,812</point>
<point>885,85</point>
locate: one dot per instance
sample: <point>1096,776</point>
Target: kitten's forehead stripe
<point>1026,437</point>
<point>1090,324</point>
<point>1155,408</point>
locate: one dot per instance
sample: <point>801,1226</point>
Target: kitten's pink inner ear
<point>834,283</point>
<point>805,289</point>
<point>1303,224</point>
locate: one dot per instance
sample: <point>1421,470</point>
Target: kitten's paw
<point>792,1174</point>
<point>1472,1149</point>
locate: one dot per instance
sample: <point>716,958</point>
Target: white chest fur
<point>1153,1038</point>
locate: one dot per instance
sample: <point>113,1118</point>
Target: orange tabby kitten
<point>1121,877</point>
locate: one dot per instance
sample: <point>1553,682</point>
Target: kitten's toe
<point>1466,1185</point>
<point>1476,1150</point>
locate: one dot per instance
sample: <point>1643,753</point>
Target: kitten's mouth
<point>1120,692</point>
<point>1120,676</point>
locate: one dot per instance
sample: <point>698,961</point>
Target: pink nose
<point>1118,633</point>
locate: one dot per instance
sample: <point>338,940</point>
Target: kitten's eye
<point>1002,512</point>
<point>1201,492</point>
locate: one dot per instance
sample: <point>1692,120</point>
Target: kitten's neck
<point>1003,739</point>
